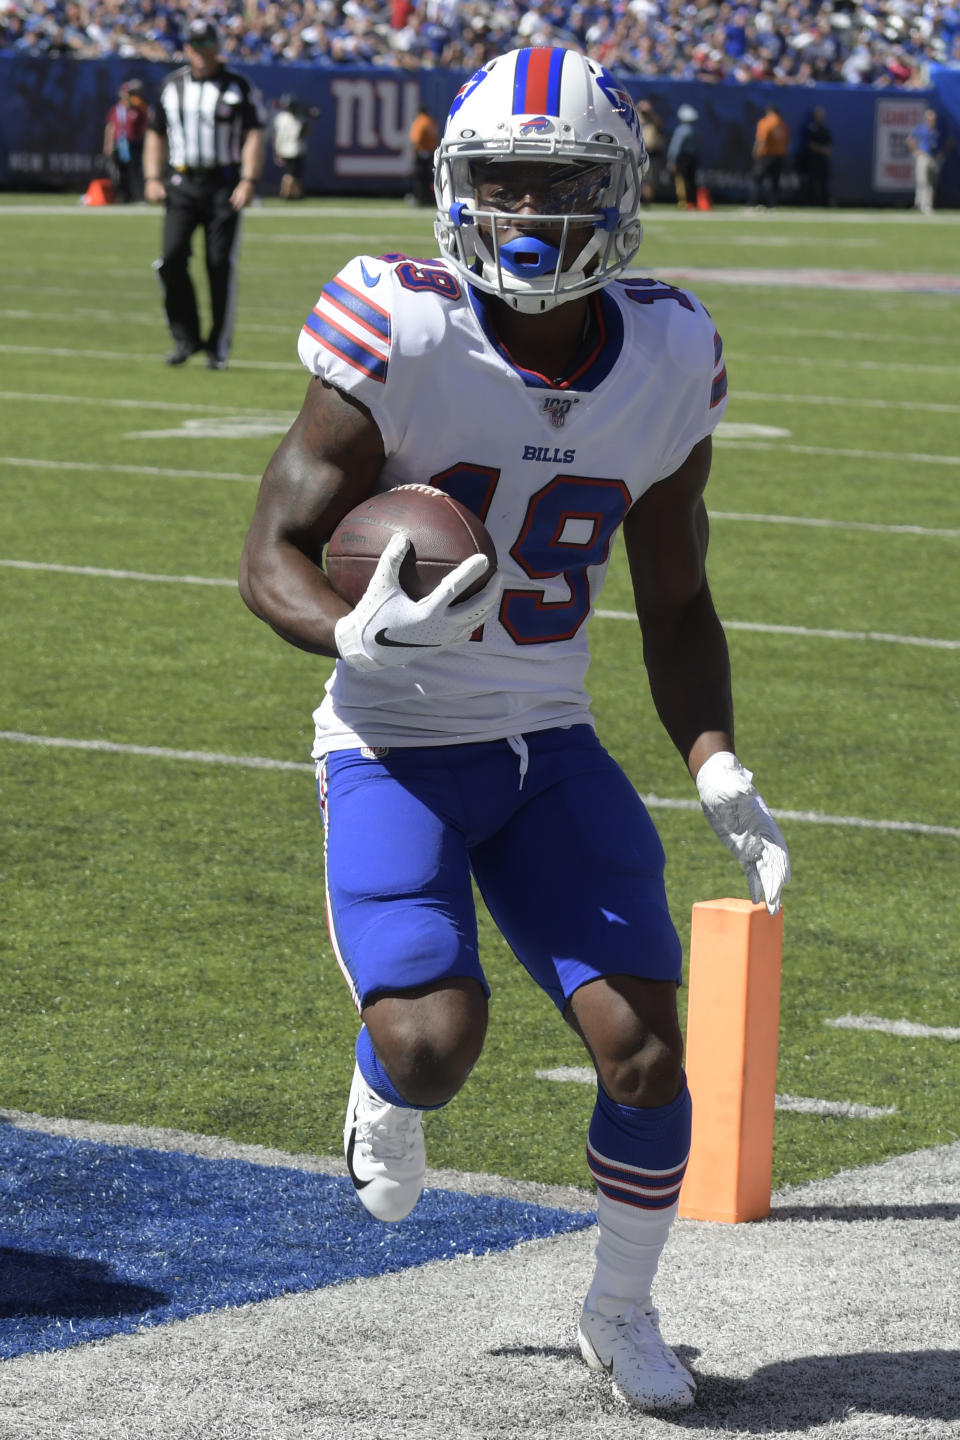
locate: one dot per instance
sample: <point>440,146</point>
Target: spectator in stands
<point>683,157</point>
<point>771,145</point>
<point>887,43</point>
<point>123,140</point>
<point>813,159</point>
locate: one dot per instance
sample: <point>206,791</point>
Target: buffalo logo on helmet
<point>539,125</point>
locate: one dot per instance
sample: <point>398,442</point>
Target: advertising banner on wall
<point>892,158</point>
<point>52,114</point>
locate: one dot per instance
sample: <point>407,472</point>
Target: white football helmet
<point>541,107</point>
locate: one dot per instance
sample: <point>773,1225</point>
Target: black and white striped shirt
<point>205,122</point>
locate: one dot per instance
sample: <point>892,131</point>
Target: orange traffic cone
<point>99,192</point>
<point>704,201</point>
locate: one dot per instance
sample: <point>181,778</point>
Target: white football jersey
<point>551,470</point>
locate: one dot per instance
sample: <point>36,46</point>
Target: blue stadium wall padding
<point>52,113</point>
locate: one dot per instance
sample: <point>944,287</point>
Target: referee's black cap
<point>202,32</point>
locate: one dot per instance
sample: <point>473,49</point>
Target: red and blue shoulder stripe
<point>348,324</point>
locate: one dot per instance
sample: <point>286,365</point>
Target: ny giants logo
<point>557,408</point>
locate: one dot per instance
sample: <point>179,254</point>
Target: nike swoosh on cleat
<point>358,1184</point>
<point>368,279</point>
<point>382,638</point>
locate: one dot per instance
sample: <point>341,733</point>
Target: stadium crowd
<point>877,42</point>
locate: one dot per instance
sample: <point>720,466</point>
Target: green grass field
<point>164,947</point>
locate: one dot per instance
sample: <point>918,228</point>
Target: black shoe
<point>181,353</point>
<point>215,363</point>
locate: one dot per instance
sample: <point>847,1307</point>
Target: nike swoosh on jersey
<point>368,279</point>
<point>358,1184</point>
<point>382,638</point>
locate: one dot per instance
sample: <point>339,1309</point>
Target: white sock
<point>629,1245</point>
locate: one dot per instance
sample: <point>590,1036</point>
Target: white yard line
<point>799,332</point>
<point>398,213</point>
<point>849,402</point>
<point>115,402</point>
<point>809,632</point>
<point>843,362</point>
<point>84,313</point>
<point>261,762</point>
<point>100,572</point>
<point>803,1105</point>
<point>101,467</point>
<point>155,752</point>
<point>800,1104</point>
<point>902,283</point>
<point>819,523</point>
<point>130,357</point>
<point>912,457</point>
<point>804,631</point>
<point>907,1028</point>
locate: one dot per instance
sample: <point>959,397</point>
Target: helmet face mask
<point>564,185</point>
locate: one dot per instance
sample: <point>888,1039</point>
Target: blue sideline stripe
<point>99,1240</point>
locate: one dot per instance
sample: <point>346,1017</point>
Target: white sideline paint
<point>801,630</point>
<point>261,762</point>
<point>800,1104</point>
<point>908,1028</point>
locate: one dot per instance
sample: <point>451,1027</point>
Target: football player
<point>531,375</point>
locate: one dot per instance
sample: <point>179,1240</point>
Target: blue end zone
<point>99,1240</point>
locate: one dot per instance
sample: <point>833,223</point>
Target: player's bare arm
<point>684,646</point>
<point>326,464</point>
<point>154,164</point>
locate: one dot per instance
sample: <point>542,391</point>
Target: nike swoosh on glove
<point>739,817</point>
<point>386,627</point>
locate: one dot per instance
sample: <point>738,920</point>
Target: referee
<point>203,157</point>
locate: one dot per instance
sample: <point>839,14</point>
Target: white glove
<point>386,627</point>
<point>742,821</point>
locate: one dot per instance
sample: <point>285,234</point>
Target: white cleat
<point>629,1347</point>
<point>385,1153</point>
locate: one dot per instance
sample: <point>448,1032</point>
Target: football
<point>442,531</point>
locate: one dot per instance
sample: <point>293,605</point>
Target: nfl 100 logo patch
<point>558,407</point>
